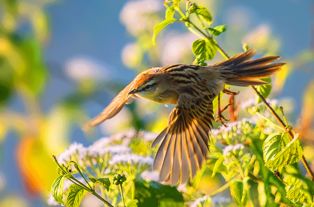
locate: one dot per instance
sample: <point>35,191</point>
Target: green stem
<point>79,183</point>
<point>122,195</point>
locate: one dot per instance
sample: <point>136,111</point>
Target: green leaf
<point>75,195</point>
<point>203,50</point>
<point>279,151</point>
<point>202,12</point>
<point>154,194</point>
<point>161,26</point>
<point>298,189</point>
<point>57,189</point>
<point>236,191</point>
<point>217,30</point>
<point>264,89</point>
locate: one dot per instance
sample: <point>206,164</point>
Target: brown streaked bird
<point>184,142</point>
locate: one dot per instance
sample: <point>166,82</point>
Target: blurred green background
<point>62,61</point>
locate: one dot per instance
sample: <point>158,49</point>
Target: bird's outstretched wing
<point>184,143</point>
<point>113,108</point>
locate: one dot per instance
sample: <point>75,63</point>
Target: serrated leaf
<point>279,151</point>
<point>264,89</point>
<point>217,30</point>
<point>75,195</point>
<point>161,26</point>
<point>202,12</point>
<point>57,189</point>
<point>298,190</point>
<point>203,50</point>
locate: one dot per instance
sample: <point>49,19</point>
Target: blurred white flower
<point>150,175</point>
<point>96,150</point>
<point>132,159</point>
<point>131,55</point>
<point>74,149</point>
<point>232,148</point>
<point>148,136</point>
<point>82,68</point>
<point>136,15</point>
<point>176,48</point>
<point>260,33</point>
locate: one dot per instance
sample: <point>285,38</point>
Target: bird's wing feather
<point>113,108</point>
<point>184,143</point>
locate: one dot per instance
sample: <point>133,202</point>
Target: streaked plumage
<point>184,142</point>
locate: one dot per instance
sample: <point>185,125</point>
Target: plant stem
<point>290,131</point>
<point>122,195</point>
<point>79,183</point>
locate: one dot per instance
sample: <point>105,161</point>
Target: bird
<point>183,143</point>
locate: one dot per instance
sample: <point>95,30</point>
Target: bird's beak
<point>133,91</point>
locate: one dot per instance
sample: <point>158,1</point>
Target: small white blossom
<point>150,175</point>
<point>99,150</point>
<point>137,15</point>
<point>131,158</point>
<point>148,136</point>
<point>74,149</point>
<point>232,148</point>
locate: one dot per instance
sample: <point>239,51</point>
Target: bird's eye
<point>148,86</point>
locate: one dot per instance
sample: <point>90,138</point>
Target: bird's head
<point>146,82</point>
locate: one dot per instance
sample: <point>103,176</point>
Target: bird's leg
<point>230,105</point>
<point>220,117</point>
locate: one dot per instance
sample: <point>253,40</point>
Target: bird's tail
<point>242,70</point>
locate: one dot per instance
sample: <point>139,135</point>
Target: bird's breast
<point>165,97</point>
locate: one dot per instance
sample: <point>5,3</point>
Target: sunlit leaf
<point>153,194</point>
<point>299,190</point>
<point>57,189</point>
<point>217,30</point>
<point>202,12</point>
<point>279,151</point>
<point>160,26</point>
<point>75,196</point>
<point>264,89</point>
<point>104,181</point>
<point>203,50</point>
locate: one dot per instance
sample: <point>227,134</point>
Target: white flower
<point>136,15</point>
<point>74,149</point>
<point>83,68</point>
<point>131,158</point>
<point>175,48</point>
<point>148,136</point>
<point>150,175</point>
<point>232,148</point>
<point>99,150</point>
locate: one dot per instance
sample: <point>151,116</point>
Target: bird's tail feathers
<point>241,70</point>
